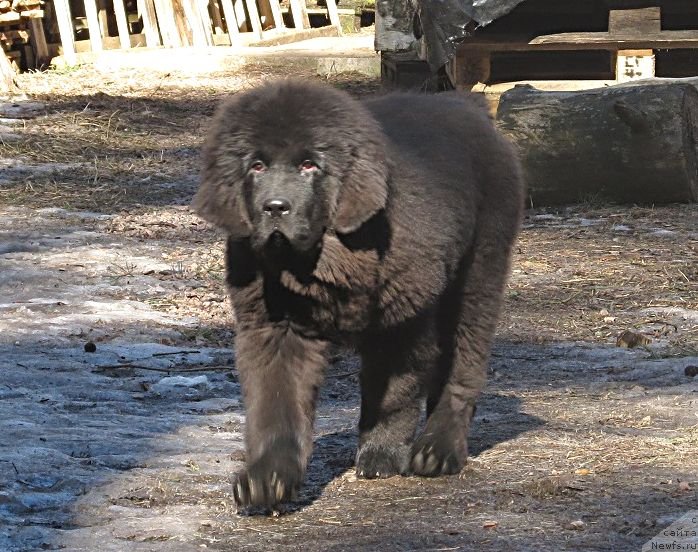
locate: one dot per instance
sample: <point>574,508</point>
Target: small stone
<point>577,525</point>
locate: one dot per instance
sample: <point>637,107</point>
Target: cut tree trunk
<point>628,144</point>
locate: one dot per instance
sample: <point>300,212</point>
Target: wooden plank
<point>640,21</point>
<point>32,14</point>
<point>192,13</point>
<point>103,17</point>
<point>93,25</point>
<point>299,12</point>
<point>583,41</point>
<point>205,19</point>
<point>334,15</point>
<point>255,22</point>
<point>231,23</point>
<point>146,9</point>
<point>12,16</point>
<point>28,56</point>
<point>38,41</point>
<point>65,29</point>
<point>9,17</point>
<point>222,40</point>
<point>627,40</point>
<point>122,24</point>
<point>167,23</point>
<point>290,36</point>
<point>321,11</point>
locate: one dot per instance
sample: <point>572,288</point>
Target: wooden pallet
<point>185,23</point>
<point>631,38</point>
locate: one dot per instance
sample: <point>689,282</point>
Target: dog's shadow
<point>499,419</point>
<point>333,455</point>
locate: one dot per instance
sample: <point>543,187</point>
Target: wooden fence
<point>75,26</point>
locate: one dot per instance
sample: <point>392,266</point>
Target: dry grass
<point>591,273</point>
<point>131,139</point>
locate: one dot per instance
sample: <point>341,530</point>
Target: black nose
<point>277,206</point>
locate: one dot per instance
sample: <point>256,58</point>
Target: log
<point>632,143</point>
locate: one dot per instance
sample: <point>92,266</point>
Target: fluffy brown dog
<point>386,225</point>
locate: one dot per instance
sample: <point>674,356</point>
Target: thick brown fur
<point>386,225</point>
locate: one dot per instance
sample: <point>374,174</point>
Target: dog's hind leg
<point>467,320</point>
<point>392,391</point>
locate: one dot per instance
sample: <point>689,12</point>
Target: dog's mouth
<point>279,241</point>
<point>276,241</point>
<point>298,255</point>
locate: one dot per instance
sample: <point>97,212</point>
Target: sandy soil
<point>578,444</point>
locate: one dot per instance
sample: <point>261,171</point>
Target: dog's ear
<point>364,187</point>
<point>220,198</point>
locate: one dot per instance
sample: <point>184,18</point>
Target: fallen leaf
<point>490,524</point>
<point>582,471</point>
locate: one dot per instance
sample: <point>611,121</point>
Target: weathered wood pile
<point>21,33</point>
<point>14,10</point>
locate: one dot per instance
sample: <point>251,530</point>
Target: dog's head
<point>287,161</point>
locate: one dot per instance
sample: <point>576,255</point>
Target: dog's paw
<point>268,481</point>
<point>438,454</point>
<point>375,461</point>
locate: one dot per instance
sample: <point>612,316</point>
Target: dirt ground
<point>578,443</point>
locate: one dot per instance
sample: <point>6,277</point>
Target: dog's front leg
<point>280,372</point>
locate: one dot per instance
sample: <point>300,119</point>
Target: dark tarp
<point>444,23</point>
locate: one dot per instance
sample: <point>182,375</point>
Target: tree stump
<point>629,144</point>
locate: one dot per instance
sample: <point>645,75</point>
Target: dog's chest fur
<point>335,298</point>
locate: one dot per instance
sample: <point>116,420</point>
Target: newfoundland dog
<point>386,225</point>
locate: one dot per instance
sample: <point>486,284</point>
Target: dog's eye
<point>308,165</point>
<point>257,166</point>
